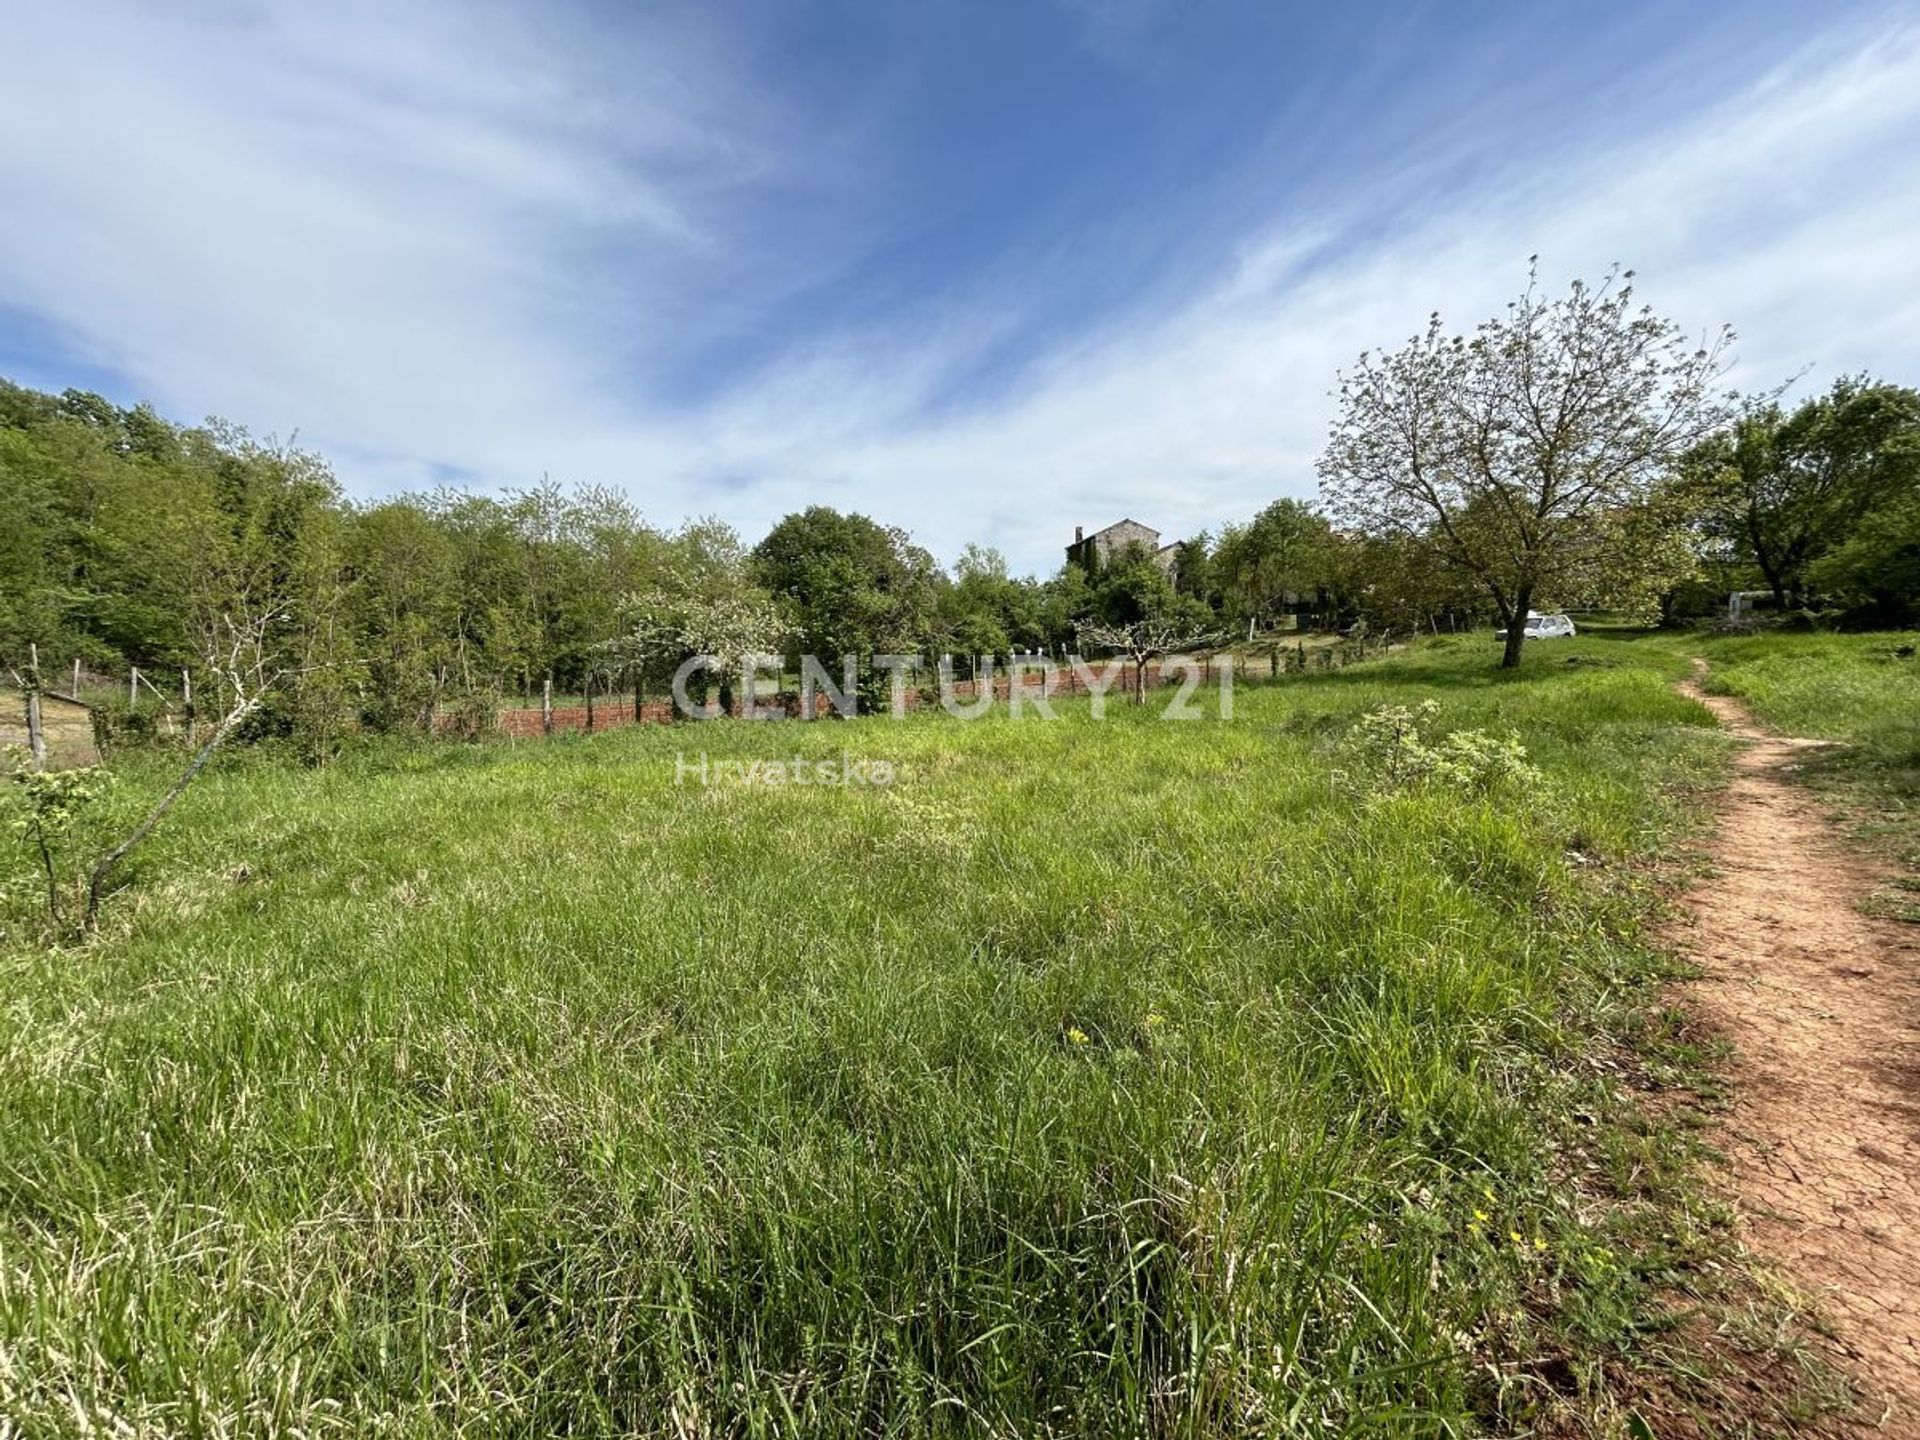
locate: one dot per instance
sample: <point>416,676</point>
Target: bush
<point>45,813</point>
<point>118,725</point>
<point>1392,751</point>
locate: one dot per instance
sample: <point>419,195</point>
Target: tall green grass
<point>1093,1079</point>
<point>1861,690</point>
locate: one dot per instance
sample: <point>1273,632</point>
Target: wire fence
<point>1037,677</point>
<point>83,709</point>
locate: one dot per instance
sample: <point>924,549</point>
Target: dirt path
<point>1822,1006</point>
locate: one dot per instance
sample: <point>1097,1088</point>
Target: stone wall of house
<point>1103,544</point>
<point>1127,532</point>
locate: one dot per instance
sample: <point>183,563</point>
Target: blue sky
<point>985,270</point>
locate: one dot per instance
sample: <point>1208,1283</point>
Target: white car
<point>1543,627</point>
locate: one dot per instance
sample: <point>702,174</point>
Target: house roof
<point>1125,520</point>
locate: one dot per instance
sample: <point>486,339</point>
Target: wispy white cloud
<point>429,240</point>
<point>393,227</point>
<point>1787,210</point>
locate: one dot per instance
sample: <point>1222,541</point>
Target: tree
<point>1172,632</point>
<point>1400,582</point>
<point>852,589</point>
<point>1283,552</point>
<point>1784,490</point>
<point>1133,585</point>
<point>702,600</point>
<point>986,611</point>
<point>1061,602</point>
<point>1876,572</point>
<point>406,605</point>
<point>1514,446</point>
<point>1140,615</point>
<point>1195,572</point>
<point>1635,557</point>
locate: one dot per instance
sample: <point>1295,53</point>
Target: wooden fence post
<point>133,685</point>
<point>75,692</point>
<point>36,733</point>
<point>186,700</point>
<point>546,706</point>
<point>589,704</point>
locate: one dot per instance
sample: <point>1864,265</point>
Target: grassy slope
<point>1093,1072</point>
<point>1858,689</point>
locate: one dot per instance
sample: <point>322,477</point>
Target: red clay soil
<point>1821,1004</point>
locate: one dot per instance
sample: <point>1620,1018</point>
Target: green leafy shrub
<point>119,726</point>
<point>1391,750</point>
<point>1387,743</point>
<point>46,809</point>
<point>1474,761</point>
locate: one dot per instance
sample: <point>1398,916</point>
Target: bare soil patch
<point>1821,1003</point>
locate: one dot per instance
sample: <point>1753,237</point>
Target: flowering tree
<point>1174,632</point>
<point>702,601</point>
<point>1514,446</point>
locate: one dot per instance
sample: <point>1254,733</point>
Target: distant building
<point>1090,552</point>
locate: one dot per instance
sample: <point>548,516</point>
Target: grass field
<point>1092,1078</point>
<point>1860,690</point>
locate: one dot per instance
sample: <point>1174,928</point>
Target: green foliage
<point>851,589</point>
<point>1874,573</point>
<point>1280,559</point>
<point>1402,583</point>
<point>47,809</point>
<point>1391,749</point>
<point>129,541</point>
<point>1134,587</point>
<point>1783,491</point>
<point>987,612</point>
<point>1195,571</point>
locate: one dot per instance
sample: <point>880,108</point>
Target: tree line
<point>132,541</point>
<point>1574,453</point>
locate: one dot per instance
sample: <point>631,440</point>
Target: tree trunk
<point>1774,573</point>
<point>1516,630</point>
<point>97,881</point>
<point>1776,582</point>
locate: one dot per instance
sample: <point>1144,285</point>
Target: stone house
<point>1090,552</point>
